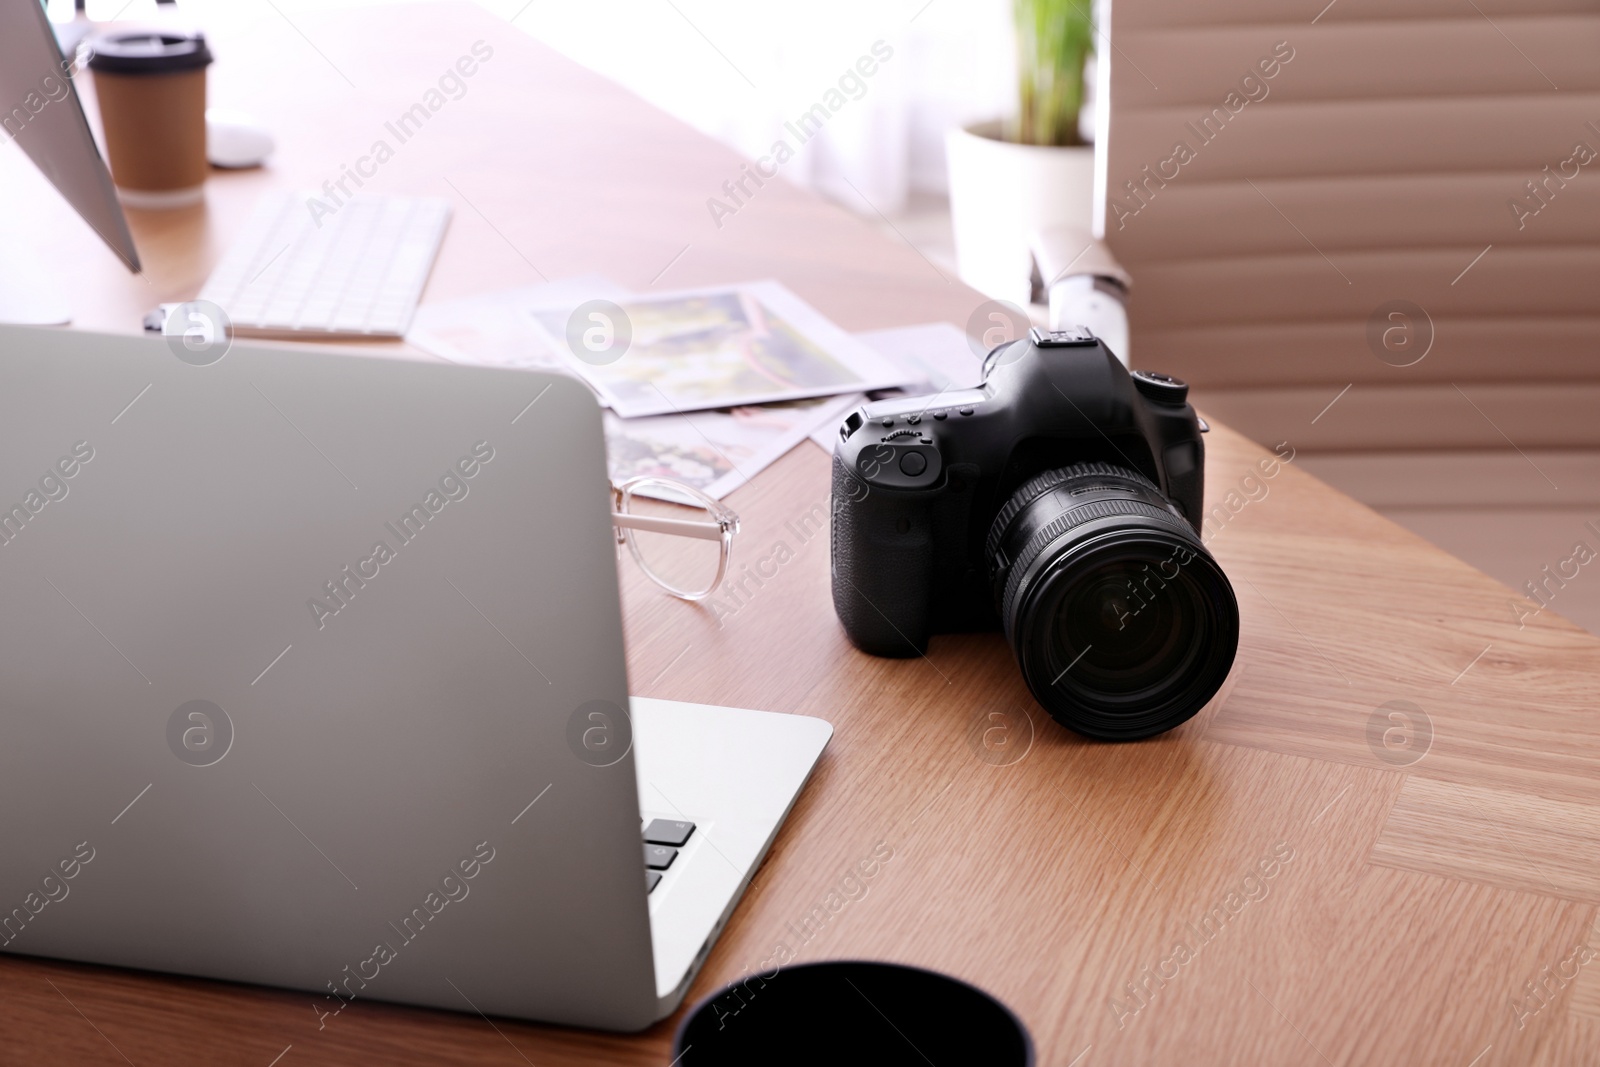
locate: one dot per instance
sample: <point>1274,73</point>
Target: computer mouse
<point>235,139</point>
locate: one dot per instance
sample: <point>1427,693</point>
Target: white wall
<point>737,69</point>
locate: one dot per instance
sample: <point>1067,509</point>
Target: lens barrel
<point>1121,621</point>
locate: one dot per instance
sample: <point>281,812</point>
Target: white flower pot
<point>1000,193</point>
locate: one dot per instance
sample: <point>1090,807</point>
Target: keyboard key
<point>659,857</point>
<point>668,832</point>
<point>651,880</point>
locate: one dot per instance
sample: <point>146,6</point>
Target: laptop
<point>313,677</point>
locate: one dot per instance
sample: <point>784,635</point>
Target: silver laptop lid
<point>297,656</point>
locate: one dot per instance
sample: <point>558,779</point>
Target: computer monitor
<point>40,110</point>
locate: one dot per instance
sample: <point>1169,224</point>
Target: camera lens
<point>1122,623</point>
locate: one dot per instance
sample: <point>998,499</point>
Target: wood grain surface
<point>1376,846</point>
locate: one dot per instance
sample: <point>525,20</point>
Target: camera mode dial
<point>1162,388</point>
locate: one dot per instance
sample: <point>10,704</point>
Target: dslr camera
<point>1060,502</point>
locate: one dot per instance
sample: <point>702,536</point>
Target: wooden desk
<point>1416,902</point>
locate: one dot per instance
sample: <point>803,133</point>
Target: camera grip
<point>882,548</point>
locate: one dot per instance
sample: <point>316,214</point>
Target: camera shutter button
<point>913,464</point>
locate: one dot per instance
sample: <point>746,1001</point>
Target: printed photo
<point>725,347</point>
<point>495,329</point>
<point>715,451</point>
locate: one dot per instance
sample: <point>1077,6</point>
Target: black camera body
<point>954,512</point>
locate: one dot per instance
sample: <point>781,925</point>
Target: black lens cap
<point>850,1011</point>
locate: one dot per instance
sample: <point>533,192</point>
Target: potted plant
<point>1013,176</point>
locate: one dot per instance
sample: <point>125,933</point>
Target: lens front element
<point>1123,624</point>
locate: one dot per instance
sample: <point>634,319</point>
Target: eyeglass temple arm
<point>706,531</point>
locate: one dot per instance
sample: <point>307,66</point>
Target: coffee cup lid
<point>148,52</point>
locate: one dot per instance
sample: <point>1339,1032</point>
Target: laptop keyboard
<point>662,840</point>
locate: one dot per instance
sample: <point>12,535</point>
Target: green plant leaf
<point>1054,40</point>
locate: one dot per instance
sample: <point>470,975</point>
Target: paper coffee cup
<point>151,85</point>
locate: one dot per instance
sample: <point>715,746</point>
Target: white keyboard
<point>359,273</point>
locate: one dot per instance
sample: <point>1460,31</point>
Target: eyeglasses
<point>680,537</point>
